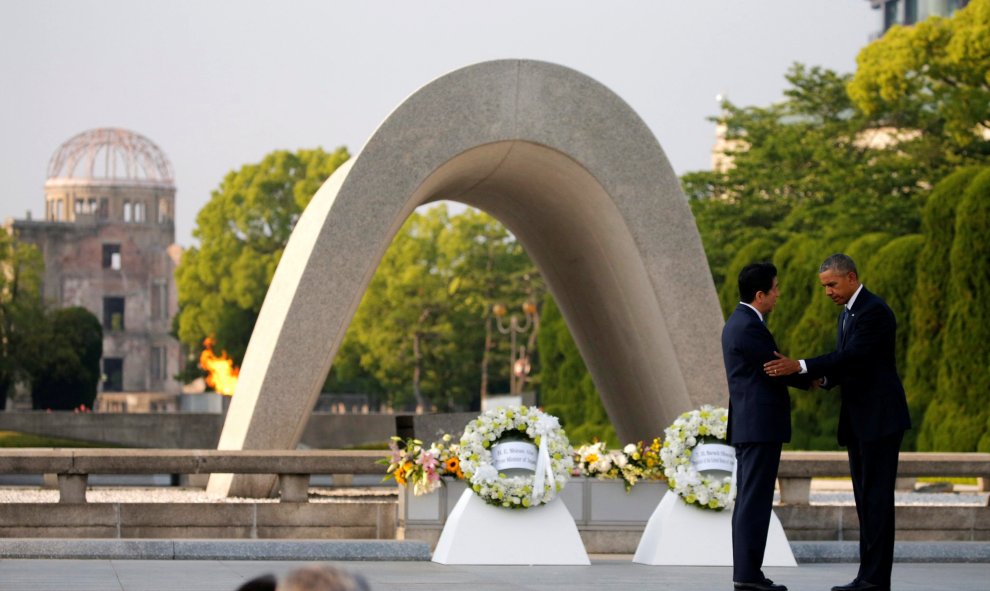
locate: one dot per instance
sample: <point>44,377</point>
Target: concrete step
<point>148,549</point>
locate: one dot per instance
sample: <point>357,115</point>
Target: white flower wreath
<point>691,428</point>
<point>519,491</point>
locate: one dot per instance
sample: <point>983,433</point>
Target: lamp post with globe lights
<point>519,366</point>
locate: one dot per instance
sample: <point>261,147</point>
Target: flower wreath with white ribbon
<point>706,425</point>
<point>554,460</point>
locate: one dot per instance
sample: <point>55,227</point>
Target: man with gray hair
<point>322,577</point>
<point>873,415</point>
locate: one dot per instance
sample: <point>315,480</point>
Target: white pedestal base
<point>678,534</point>
<point>478,533</point>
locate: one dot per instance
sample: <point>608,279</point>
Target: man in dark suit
<point>873,415</point>
<point>759,421</point>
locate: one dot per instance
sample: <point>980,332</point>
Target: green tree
<point>22,314</point>
<point>491,268</point>
<point>567,390</point>
<point>424,329</point>
<point>68,373</point>
<point>347,376</point>
<point>930,298</point>
<point>242,232</point>
<point>957,418</point>
<point>402,322</point>
<point>932,78</point>
<point>434,293</point>
<point>800,167</point>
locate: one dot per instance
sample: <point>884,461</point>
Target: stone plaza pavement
<point>604,573</point>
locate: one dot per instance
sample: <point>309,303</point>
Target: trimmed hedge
<point>930,300</point>
<point>958,416</point>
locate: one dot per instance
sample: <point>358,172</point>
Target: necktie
<point>843,320</point>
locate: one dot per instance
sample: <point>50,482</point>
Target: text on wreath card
<point>714,456</point>
<point>514,455</point>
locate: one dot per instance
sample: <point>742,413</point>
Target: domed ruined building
<point>108,243</point>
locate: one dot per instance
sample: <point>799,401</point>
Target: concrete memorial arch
<point>574,174</point>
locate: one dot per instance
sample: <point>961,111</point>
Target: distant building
<point>909,12</point>
<point>108,242</point>
<point>722,160</point>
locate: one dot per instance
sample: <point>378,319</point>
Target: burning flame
<point>221,373</point>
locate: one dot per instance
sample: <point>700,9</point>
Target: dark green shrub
<point>68,374</point>
<point>930,299</point>
<point>957,417</point>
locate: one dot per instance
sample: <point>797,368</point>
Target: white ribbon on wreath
<point>543,471</point>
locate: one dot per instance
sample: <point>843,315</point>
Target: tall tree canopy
<point>242,232</point>
<point>800,167</point>
<point>22,315</point>
<point>932,77</point>
<point>424,330</point>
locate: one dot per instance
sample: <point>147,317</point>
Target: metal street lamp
<point>519,366</point>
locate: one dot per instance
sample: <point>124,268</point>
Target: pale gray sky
<point>220,83</point>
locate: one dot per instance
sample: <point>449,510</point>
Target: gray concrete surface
<point>604,573</point>
<point>148,549</point>
<point>404,550</point>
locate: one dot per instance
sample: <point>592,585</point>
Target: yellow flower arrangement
<point>634,462</point>
<point>423,467</point>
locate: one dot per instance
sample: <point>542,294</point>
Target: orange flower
<point>403,472</point>
<point>452,465</point>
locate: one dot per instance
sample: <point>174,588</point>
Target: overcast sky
<point>218,84</point>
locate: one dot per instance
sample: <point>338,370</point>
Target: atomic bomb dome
<point>110,175</point>
<point>108,244</point>
<point>112,156</point>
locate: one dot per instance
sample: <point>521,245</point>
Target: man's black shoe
<point>765,585</point>
<point>858,585</point>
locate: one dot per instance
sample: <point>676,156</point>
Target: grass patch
<point>932,479</point>
<point>15,439</point>
<point>922,479</point>
<point>371,445</point>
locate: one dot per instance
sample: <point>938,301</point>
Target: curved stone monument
<point>581,182</point>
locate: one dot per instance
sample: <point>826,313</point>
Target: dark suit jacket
<point>759,405</point>
<point>873,401</point>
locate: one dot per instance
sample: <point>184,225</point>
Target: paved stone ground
<point>922,565</point>
<point>604,573</point>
